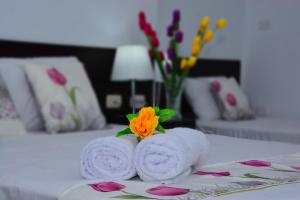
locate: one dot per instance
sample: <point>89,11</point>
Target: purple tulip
<point>231,100</point>
<point>170,30</point>
<point>176,16</point>
<point>256,163</point>
<point>215,86</point>
<point>296,167</point>
<point>57,110</point>
<point>56,76</point>
<point>179,36</point>
<point>107,186</point>
<point>168,68</point>
<point>167,191</point>
<point>170,53</point>
<point>202,173</point>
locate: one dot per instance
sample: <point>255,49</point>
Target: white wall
<point>106,23</point>
<point>271,56</point>
<point>227,43</point>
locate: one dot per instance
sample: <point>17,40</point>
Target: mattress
<point>270,129</point>
<point>42,167</point>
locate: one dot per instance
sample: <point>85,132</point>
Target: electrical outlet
<point>139,101</point>
<point>113,101</point>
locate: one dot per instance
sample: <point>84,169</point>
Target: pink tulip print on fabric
<point>208,181</point>
<point>57,109</point>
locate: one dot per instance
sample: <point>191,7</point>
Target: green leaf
<point>124,132</point>
<point>166,114</point>
<point>248,175</point>
<point>156,109</point>
<point>160,128</point>
<point>131,116</point>
<point>131,196</point>
<point>72,94</point>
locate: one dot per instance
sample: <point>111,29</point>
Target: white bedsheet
<point>41,167</point>
<point>270,129</point>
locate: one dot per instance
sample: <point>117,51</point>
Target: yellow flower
<point>145,124</point>
<point>183,63</point>
<point>221,23</point>
<point>191,61</point>
<point>208,36</point>
<point>204,23</point>
<point>197,41</point>
<point>196,50</point>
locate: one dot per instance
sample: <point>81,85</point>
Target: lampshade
<point>132,62</point>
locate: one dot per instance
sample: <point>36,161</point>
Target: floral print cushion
<point>7,109</point>
<point>10,124</point>
<point>231,100</point>
<point>68,102</point>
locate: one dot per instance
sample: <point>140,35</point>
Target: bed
<point>39,166</point>
<point>261,128</point>
<point>42,167</point>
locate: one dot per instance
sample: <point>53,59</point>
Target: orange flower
<point>145,124</point>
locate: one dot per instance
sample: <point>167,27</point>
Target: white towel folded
<point>170,157</point>
<point>109,158</point>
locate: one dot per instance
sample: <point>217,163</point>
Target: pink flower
<point>215,86</point>
<point>107,186</point>
<point>296,167</point>
<point>201,173</point>
<point>56,76</point>
<point>231,100</point>
<point>167,191</point>
<point>256,163</point>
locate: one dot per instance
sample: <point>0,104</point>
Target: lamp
<point>132,63</point>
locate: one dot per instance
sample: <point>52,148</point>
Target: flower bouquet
<point>173,68</point>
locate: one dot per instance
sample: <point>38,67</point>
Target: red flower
<point>107,186</point>
<point>167,191</point>
<point>56,76</point>
<point>256,163</point>
<point>142,25</point>
<point>161,55</point>
<point>154,42</point>
<point>142,16</point>
<point>231,100</point>
<point>148,28</point>
<point>201,173</point>
<point>151,54</point>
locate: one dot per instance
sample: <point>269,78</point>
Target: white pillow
<point>197,91</point>
<point>66,98</point>
<point>14,76</point>
<point>10,124</point>
<point>231,100</point>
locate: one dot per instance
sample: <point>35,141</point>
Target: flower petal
<point>256,163</point>
<point>296,167</point>
<point>201,173</point>
<point>167,191</point>
<point>107,186</point>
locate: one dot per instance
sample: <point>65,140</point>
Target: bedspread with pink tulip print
<point>206,181</point>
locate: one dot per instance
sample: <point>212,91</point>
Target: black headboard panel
<point>98,63</point>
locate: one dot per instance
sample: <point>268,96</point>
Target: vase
<point>173,101</point>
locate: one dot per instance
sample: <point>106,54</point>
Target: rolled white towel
<point>109,158</point>
<point>170,157</point>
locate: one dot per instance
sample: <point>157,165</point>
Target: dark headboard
<point>98,63</point>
